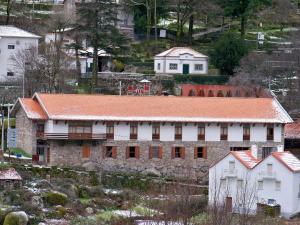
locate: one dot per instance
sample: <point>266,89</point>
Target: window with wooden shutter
<point>204,152</point>
<point>114,152</point>
<point>160,152</point>
<point>150,152</point>
<point>133,131</point>
<point>182,152</point>
<point>201,132</point>
<point>246,132</point>
<point>224,132</point>
<point>270,133</point>
<point>86,151</point>
<point>178,131</point>
<point>133,152</point>
<point>173,152</point>
<point>110,130</point>
<point>178,152</point>
<point>156,131</point>
<point>200,152</point>
<point>137,152</point>
<point>127,152</point>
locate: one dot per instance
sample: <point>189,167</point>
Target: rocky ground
<point>65,197</point>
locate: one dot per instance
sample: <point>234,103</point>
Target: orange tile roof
<point>246,158</point>
<point>288,160</point>
<point>32,109</point>
<point>158,108</point>
<point>292,130</point>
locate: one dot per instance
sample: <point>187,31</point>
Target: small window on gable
<point>260,185</point>
<point>240,183</point>
<point>10,46</point>
<point>222,183</point>
<point>158,66</point>
<point>278,185</point>
<point>231,166</point>
<point>10,74</point>
<point>269,168</point>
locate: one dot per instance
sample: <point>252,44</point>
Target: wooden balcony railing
<point>270,137</point>
<point>178,136</point>
<point>201,137</point>
<point>71,136</point>
<point>133,136</point>
<point>246,137</point>
<point>224,137</point>
<point>155,136</point>
<point>110,136</point>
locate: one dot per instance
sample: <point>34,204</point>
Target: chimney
<point>254,151</point>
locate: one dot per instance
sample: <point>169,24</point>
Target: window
<point>10,74</point>
<point>178,152</point>
<point>201,132</point>
<point>239,148</point>
<point>246,133</point>
<point>266,151</point>
<point>156,131</point>
<point>198,67</point>
<point>200,152</point>
<point>270,133</point>
<point>222,183</point>
<point>110,152</point>
<point>173,66</point>
<point>277,185</point>
<point>74,129</point>
<point>271,201</point>
<point>231,166</point>
<point>178,132</point>
<point>260,185</point>
<point>86,152</point>
<point>133,152</point>
<point>269,168</point>
<point>110,131</point>
<point>158,66</point>
<point>155,152</point>
<point>224,132</point>
<point>133,131</point>
<point>11,46</point>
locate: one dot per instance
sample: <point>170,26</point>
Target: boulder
<point>152,172</point>
<point>44,184</point>
<point>3,212</point>
<point>56,198</point>
<point>89,210</point>
<point>37,201</point>
<point>16,218</point>
<point>90,166</point>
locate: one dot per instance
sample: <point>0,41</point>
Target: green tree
<point>242,9</point>
<point>98,20</point>
<point>228,52</point>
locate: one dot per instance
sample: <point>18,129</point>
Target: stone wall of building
<point>26,132</point>
<point>70,154</point>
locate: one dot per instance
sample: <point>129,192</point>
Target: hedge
<point>200,79</point>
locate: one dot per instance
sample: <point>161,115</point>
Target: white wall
<point>99,128</point>
<point>49,126</point>
<point>165,63</point>
<point>235,132</point>
<point>278,133</point>
<point>144,132</point>
<point>6,64</point>
<point>189,132</point>
<point>60,127</point>
<point>122,131</point>
<point>258,133</point>
<point>167,132</point>
<point>212,132</point>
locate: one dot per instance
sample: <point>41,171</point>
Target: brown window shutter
<point>182,152</point>
<point>204,153</point>
<point>127,152</point>
<point>137,152</point>
<point>173,153</point>
<point>114,152</point>
<point>160,152</point>
<point>195,153</point>
<point>150,152</point>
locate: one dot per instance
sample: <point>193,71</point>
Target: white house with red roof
<point>174,135</point>
<point>243,183</point>
<point>181,60</point>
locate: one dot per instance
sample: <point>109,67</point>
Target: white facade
<point>181,61</point>
<point>258,133</point>
<point>270,181</point>
<point>13,41</point>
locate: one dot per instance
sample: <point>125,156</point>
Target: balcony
<point>246,137</point>
<point>71,136</point>
<point>178,136</point>
<point>267,175</point>
<point>201,137</point>
<point>155,136</point>
<point>223,137</point>
<point>230,173</point>
<point>133,136</point>
<point>270,137</point>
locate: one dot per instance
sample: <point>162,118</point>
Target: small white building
<point>181,60</point>
<point>242,183</point>
<point>12,41</point>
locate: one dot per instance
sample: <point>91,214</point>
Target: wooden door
<point>185,68</point>
<point>86,151</point>
<point>229,204</point>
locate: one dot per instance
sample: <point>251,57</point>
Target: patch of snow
<point>125,213</point>
<point>112,191</point>
<point>154,222</point>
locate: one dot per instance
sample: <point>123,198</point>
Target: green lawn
<point>20,151</point>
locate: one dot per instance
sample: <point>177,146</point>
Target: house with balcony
<point>174,135</point>
<point>13,41</point>
<point>243,183</point>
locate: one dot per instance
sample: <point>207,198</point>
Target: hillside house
<point>174,135</point>
<point>292,138</point>
<point>10,178</point>
<point>243,183</point>
<point>13,40</point>
<point>181,60</point>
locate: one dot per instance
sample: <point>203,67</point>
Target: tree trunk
<point>191,28</point>
<point>95,69</point>
<point>148,8</point>
<point>8,12</point>
<point>243,26</point>
<point>78,65</point>
<point>178,22</point>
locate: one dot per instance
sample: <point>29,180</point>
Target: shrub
<point>56,198</point>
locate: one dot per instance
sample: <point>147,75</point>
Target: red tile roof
<point>9,174</point>
<point>156,108</point>
<point>33,109</point>
<point>288,160</point>
<point>246,158</point>
<point>292,130</point>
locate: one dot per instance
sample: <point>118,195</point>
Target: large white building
<point>243,183</point>
<point>13,40</point>
<point>181,60</point>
